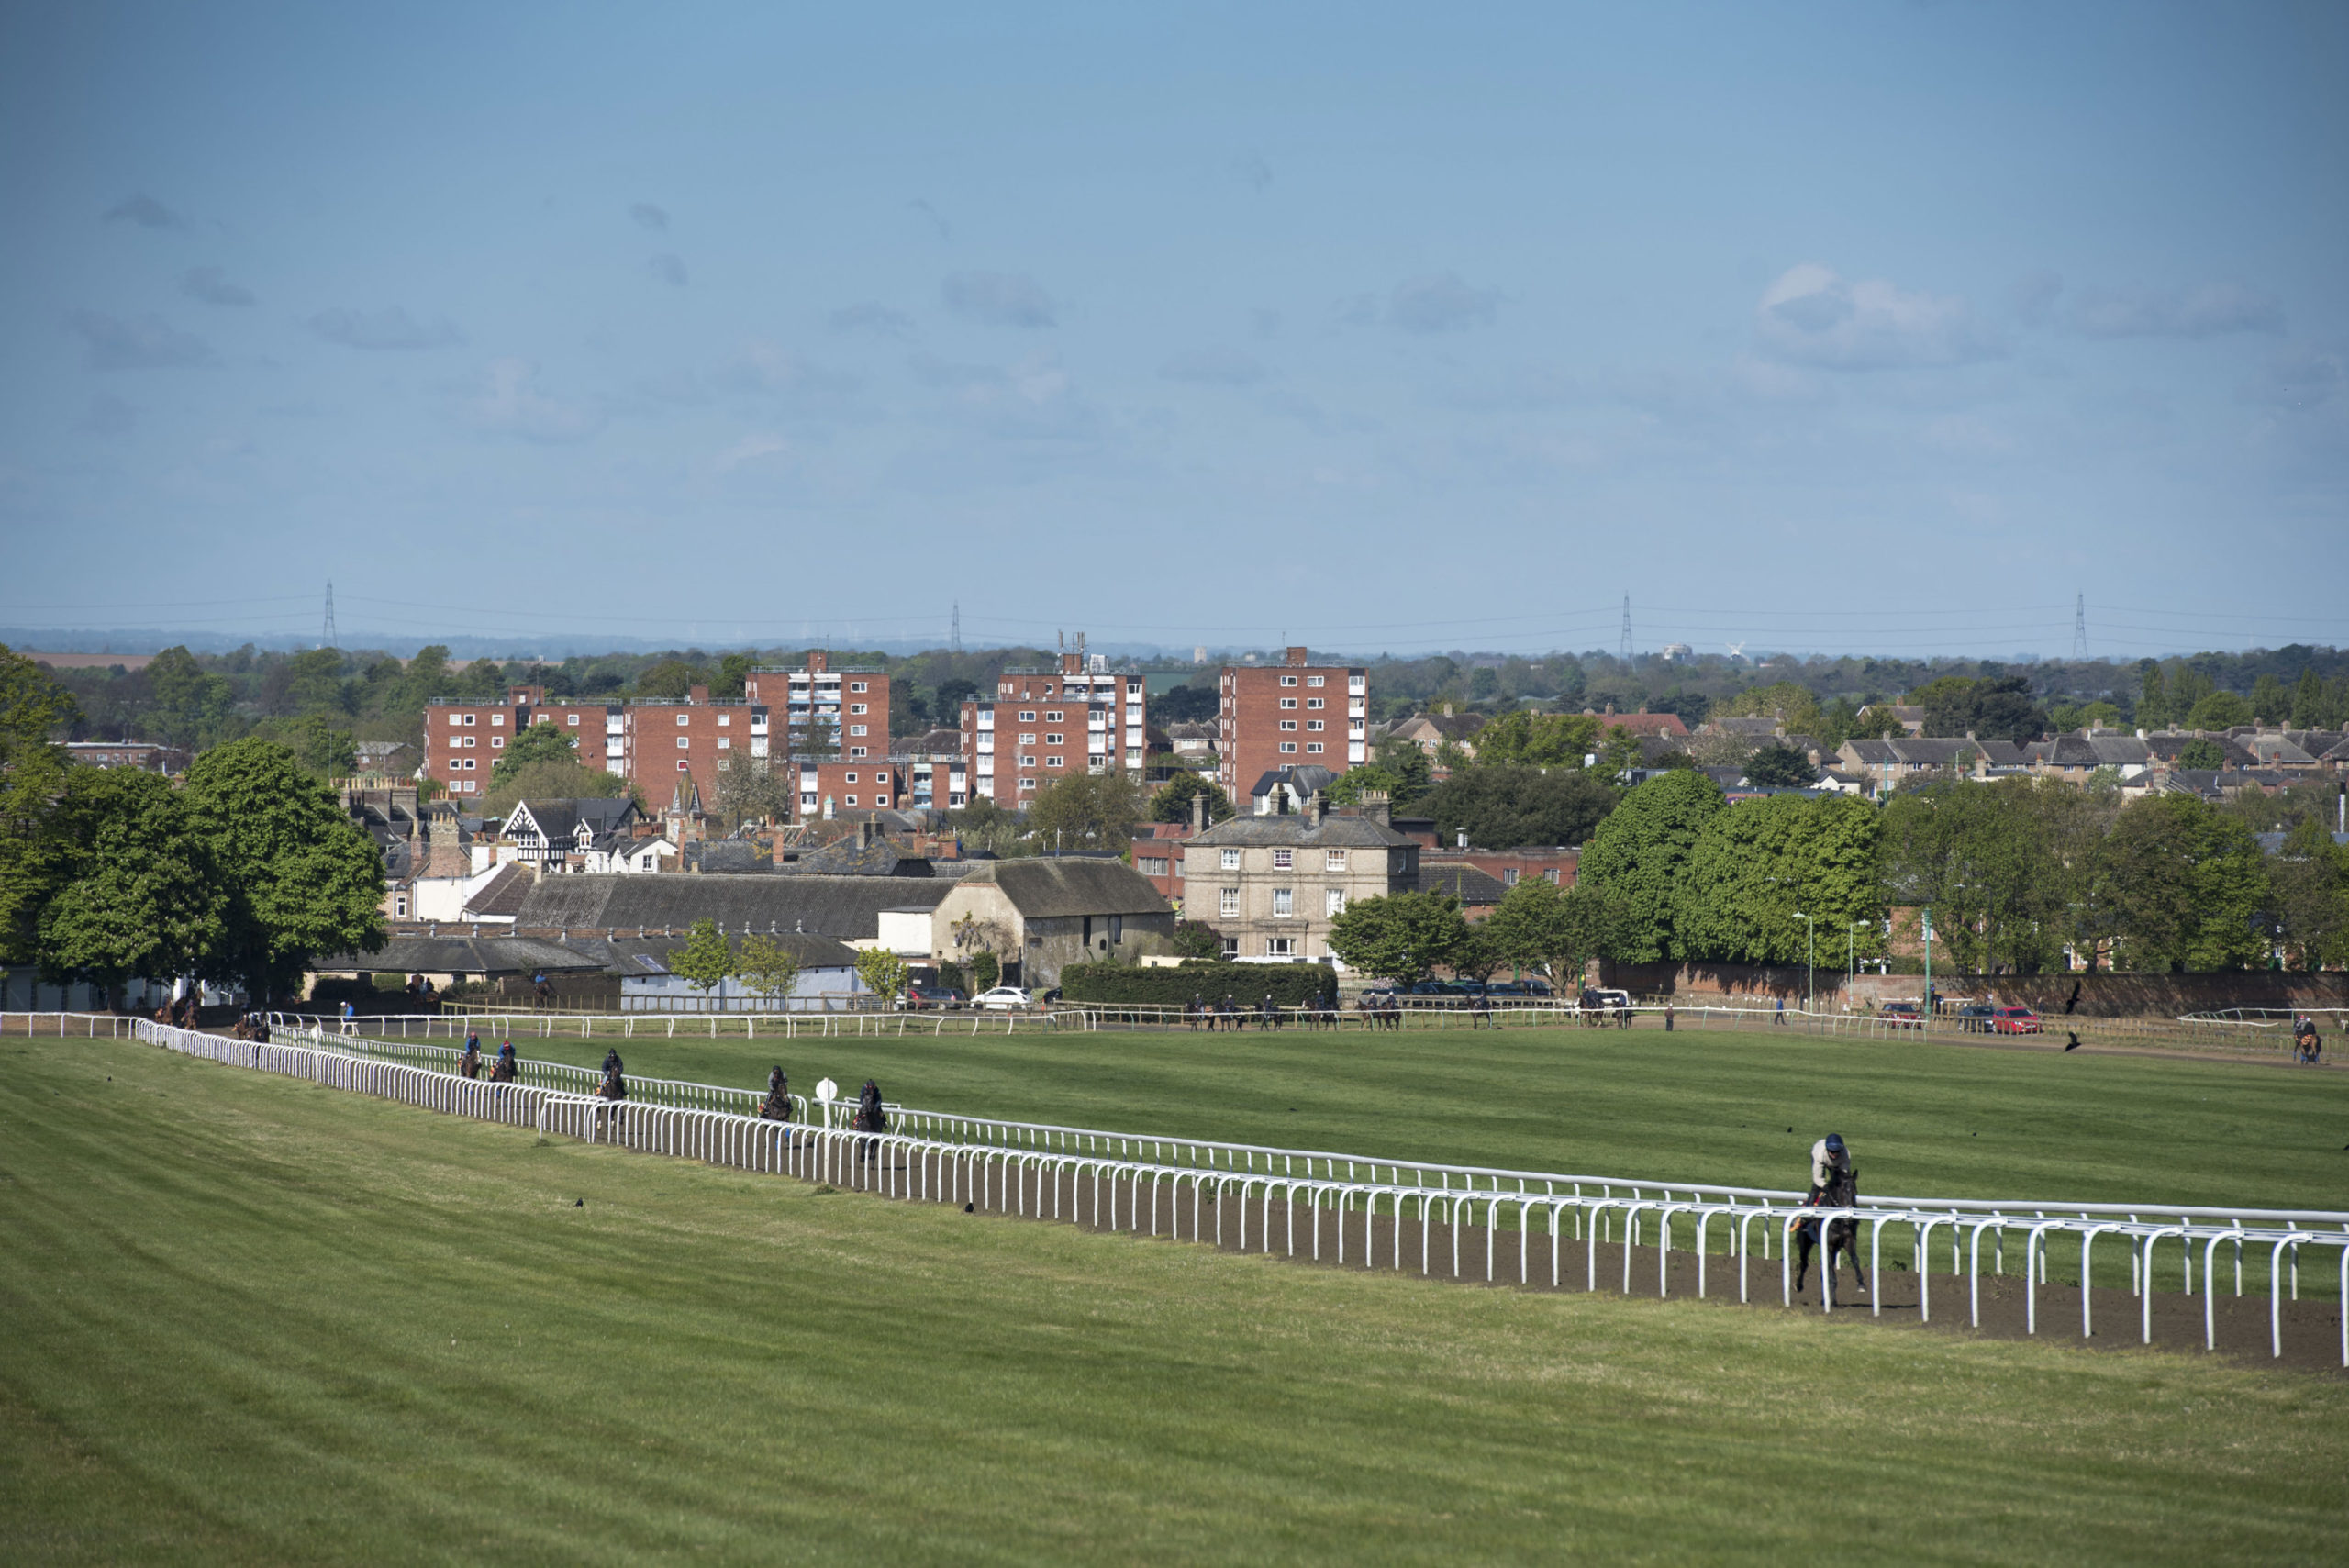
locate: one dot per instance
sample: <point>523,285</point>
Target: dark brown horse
<point>1843,1235</point>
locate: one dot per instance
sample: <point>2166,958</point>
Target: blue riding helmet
<point>1835,1143</point>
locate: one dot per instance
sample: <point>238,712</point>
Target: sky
<point>1892,328</point>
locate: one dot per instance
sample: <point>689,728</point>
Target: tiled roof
<point>1334,832</point>
<point>502,896</point>
<point>1050,887</point>
<point>848,908</point>
<point>465,955</point>
<point>1464,883</point>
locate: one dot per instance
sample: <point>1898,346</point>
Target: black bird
<point>581,1204</point>
<point>970,1208</point>
<point>2074,1001</point>
<point>2073,1040</point>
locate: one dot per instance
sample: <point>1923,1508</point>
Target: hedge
<point>1291,984</point>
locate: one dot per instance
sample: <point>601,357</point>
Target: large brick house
<point>1272,884</point>
<point>840,713</point>
<point>1295,712</point>
<point>1043,724</point>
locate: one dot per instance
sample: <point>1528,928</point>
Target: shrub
<point>1291,984</point>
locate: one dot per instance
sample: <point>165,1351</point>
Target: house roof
<point>739,856</point>
<point>1644,723</point>
<point>1057,886</point>
<point>501,897</point>
<point>1764,728</point>
<point>848,908</point>
<point>1300,780</point>
<point>638,956</point>
<point>1463,882</point>
<point>561,819</point>
<point>466,955</point>
<point>1334,832</point>
<point>2168,744</point>
<point>846,857</point>
<point>1444,726</point>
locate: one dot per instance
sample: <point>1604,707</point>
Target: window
<point>856,730</point>
<point>850,778</point>
<point>1283,901</point>
<point>1117,929</point>
<point>1052,718</point>
<point>1029,718</point>
<point>1314,725</point>
<point>1280,947</point>
<point>497,743</point>
<point>1333,902</point>
<point>1313,680</point>
<point>1231,947</point>
<point>399,907</point>
<point>683,741</point>
<point>724,744</point>
<point>855,751</point>
<point>1232,859</point>
<point>1283,859</point>
<point>469,739</point>
<point>1288,702</point>
<point>1289,680</point>
<point>1028,738</point>
<point>1314,702</point>
<point>1052,762</point>
<point>573,721</point>
<point>1151,865</point>
<point>457,718</point>
<point>856,686</point>
<point>1552,874</point>
<point>881,777</point>
<point>1288,725</point>
<point>1228,903</point>
<point>496,720</point>
<point>469,718</point>
<point>725,721</point>
<point>684,719</point>
<point>852,708</point>
<point>1288,746</point>
<point>1313,748</point>
<point>683,766</point>
<point>1333,860</point>
<point>851,800</point>
<point>1028,760</point>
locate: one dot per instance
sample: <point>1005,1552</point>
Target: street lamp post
<point>1925,1007</point>
<point>1810,924</point>
<point>1852,953</point>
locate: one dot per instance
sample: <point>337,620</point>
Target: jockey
<point>502,1071</point>
<point>614,1086</point>
<point>777,1105</point>
<point>469,1064</point>
<point>1828,1157</point>
<point>869,1115</point>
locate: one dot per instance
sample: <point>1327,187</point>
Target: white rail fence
<point>1022,1167</point>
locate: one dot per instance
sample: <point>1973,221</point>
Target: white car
<point>1003,998</point>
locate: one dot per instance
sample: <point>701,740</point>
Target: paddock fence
<point>1376,1206</point>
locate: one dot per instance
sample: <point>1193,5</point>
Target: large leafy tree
<point>2188,886</point>
<point>2311,896</point>
<point>1549,739</point>
<point>1503,806</point>
<point>1554,930</point>
<point>1636,855</point>
<point>752,791</point>
<point>1085,811</point>
<point>1758,865</point>
<point>536,743</point>
<point>706,959</point>
<point>767,966</point>
<point>144,898</point>
<point>1780,766</point>
<point>33,774</point>
<point>193,706</point>
<point>302,878</point>
<point>559,780</point>
<point>1172,800</point>
<point>1981,858</point>
<point>1401,771</point>
<point>1402,937</point>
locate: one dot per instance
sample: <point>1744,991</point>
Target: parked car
<point>924,998</point>
<point>1002,999</point>
<point>1974,1017</point>
<point>1903,1015</point>
<point>2015,1020</point>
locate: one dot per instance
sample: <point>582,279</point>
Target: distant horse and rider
<point>1835,1184</point>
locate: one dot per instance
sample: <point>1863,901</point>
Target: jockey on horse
<point>1833,1185</point>
<point>776,1107</point>
<point>614,1086</point>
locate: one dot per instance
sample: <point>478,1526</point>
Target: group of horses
<point>1197,1012</point>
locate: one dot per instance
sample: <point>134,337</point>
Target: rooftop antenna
<point>954,629</point>
<point>1626,654</point>
<point>2079,626</point>
<point>329,638</point>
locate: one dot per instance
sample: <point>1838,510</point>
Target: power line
<point>2079,626</point>
<point>954,629</point>
<point>1626,654</point>
<point>329,638</point>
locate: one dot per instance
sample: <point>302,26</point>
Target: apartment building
<point>841,713</point>
<point>1044,724</point>
<point>648,741</point>
<point>1294,712</point>
<point>1271,885</point>
<point>892,781</point>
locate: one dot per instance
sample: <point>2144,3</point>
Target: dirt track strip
<point>1107,1200</point>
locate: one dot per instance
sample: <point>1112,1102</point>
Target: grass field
<point>253,1320</point>
<point>1740,1108</point>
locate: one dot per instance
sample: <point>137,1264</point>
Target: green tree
<point>2188,884</point>
<point>1979,856</point>
<point>752,791</point>
<point>192,707</point>
<point>302,878</point>
<point>558,780</point>
<point>1172,800</point>
<point>1757,866</point>
<point>733,675</point>
<point>2219,710</point>
<point>535,743</point>
<point>1085,811</point>
<point>1619,751</point>
<point>33,775</point>
<point>1478,953</point>
<point>2153,696</point>
<point>1791,702</point>
<point>323,749</point>
<point>1780,766</point>
<point>706,959</point>
<point>2310,709</point>
<point>671,680</point>
<point>1503,806</point>
<point>314,683</point>
<point>2311,896</point>
<point>1553,931</point>
<point>1636,855</point>
<point>767,966</point>
<point>1197,939</point>
<point>986,969</point>
<point>1553,739</point>
<point>883,972</point>
<point>1402,937</point>
<point>143,899</point>
<point>2202,754</point>
<point>2270,703</point>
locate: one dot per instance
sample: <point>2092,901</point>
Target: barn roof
<point>848,908</point>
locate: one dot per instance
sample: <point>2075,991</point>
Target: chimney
<point>1199,812</point>
<point>697,694</point>
<point>1313,810</point>
<point>1376,806</point>
<point>1297,656</point>
<point>816,664</point>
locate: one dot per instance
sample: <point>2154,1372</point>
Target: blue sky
<point>1884,327</point>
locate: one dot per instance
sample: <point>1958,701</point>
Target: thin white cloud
<point>142,343</point>
<point>213,287</point>
<point>1000,299</point>
<point>510,403</point>
<point>751,449</point>
<point>2206,310</point>
<point>1813,316</point>
<point>391,328</point>
<point>1441,302</point>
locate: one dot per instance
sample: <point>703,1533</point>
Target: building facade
<point>891,782</point>
<point>650,742</point>
<point>1295,712</point>
<point>1271,885</point>
<point>841,713</point>
<point>1043,724</point>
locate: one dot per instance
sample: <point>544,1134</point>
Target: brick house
<point>1296,711</point>
<point>1272,884</point>
<point>1043,724</point>
<point>650,742</point>
<point>889,781</point>
<point>843,713</point>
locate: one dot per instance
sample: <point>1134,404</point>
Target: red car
<point>1903,1015</point>
<point>2014,1021</point>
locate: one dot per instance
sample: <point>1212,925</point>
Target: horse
<point>1843,1190</point>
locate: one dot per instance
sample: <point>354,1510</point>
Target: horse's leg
<point>1802,1254</point>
